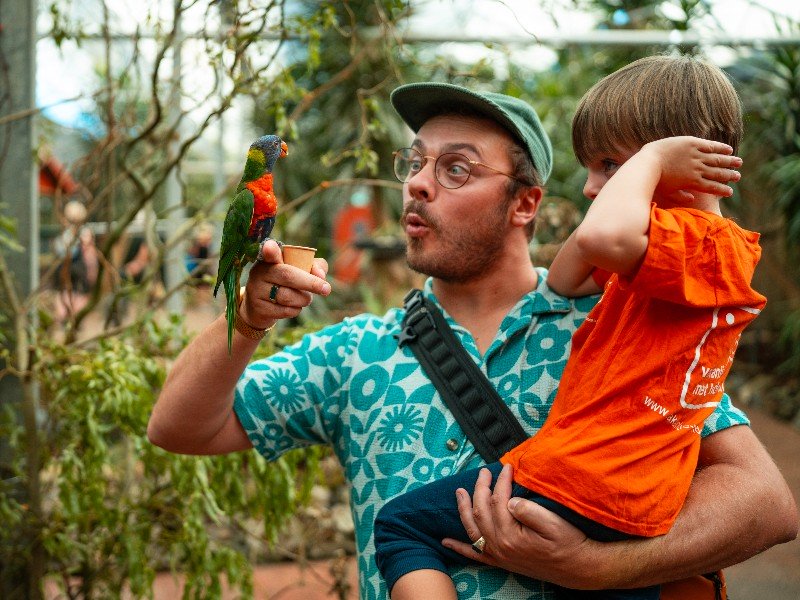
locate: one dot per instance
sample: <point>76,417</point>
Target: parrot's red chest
<point>265,203</point>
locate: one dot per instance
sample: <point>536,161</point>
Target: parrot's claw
<point>260,257</point>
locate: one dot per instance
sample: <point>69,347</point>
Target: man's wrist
<point>246,329</point>
<point>607,567</point>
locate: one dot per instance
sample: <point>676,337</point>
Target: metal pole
<point>20,199</point>
<point>174,270</point>
<point>604,37</point>
<point>18,175</point>
<point>609,37</point>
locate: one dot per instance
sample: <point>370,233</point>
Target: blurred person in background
<point>77,275</point>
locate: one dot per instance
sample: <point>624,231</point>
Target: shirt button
<point>452,444</point>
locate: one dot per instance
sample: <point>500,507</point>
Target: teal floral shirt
<point>350,386</point>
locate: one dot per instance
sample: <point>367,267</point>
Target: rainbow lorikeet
<point>249,221</point>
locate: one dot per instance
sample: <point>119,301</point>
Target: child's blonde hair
<point>653,98</point>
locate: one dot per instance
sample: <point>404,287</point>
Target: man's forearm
<point>194,413</point>
<point>195,405</point>
<point>738,505</point>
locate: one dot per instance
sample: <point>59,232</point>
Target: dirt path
<point>282,581</point>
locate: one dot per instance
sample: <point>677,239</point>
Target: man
<point>473,178</point>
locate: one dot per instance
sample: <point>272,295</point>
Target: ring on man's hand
<point>479,544</point>
<point>273,293</point>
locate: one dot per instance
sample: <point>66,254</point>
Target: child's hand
<point>691,165</point>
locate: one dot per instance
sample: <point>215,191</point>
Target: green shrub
<point>114,508</point>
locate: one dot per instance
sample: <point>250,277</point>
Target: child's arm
<point>614,233</point>
<point>569,274</point>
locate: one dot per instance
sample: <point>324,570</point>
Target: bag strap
<point>483,416</point>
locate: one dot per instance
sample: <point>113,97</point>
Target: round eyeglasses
<point>451,169</point>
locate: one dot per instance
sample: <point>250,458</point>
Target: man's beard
<point>464,252</point>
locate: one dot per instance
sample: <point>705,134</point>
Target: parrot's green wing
<point>231,256</point>
<point>234,233</point>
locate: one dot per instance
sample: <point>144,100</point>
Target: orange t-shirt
<point>620,444</point>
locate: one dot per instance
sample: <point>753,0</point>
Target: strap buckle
<point>412,300</point>
<point>414,304</point>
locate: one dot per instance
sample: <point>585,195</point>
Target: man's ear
<point>526,205</point>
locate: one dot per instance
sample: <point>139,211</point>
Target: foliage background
<point>84,498</point>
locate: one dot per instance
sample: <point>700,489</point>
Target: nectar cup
<point>301,257</point>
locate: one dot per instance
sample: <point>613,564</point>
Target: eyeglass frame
<point>435,160</point>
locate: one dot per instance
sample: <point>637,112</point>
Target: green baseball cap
<point>418,102</point>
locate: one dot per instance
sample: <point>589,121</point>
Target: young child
<point>619,448</point>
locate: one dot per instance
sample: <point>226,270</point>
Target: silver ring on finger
<point>479,544</point>
<point>273,293</point>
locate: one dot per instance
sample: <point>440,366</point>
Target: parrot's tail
<point>231,284</point>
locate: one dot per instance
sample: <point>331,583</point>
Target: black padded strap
<point>476,405</point>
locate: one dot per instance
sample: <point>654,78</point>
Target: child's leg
<point>408,534</point>
<point>425,583</point>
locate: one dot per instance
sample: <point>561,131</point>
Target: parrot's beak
<point>284,149</point>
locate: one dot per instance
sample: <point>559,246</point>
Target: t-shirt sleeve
<point>696,261</point>
<point>287,400</point>
<point>725,415</point>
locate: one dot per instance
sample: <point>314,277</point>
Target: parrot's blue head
<point>272,147</point>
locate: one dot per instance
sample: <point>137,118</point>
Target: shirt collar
<point>540,300</point>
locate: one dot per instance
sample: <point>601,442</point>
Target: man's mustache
<point>421,210</point>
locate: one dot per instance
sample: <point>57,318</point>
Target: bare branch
<point>343,75</point>
<point>325,185</point>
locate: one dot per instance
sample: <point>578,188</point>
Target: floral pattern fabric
<point>350,386</point>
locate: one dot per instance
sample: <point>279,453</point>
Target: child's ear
<point>526,205</point>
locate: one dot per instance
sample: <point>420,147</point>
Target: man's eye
<point>457,170</point>
<point>454,165</point>
<point>415,165</point>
